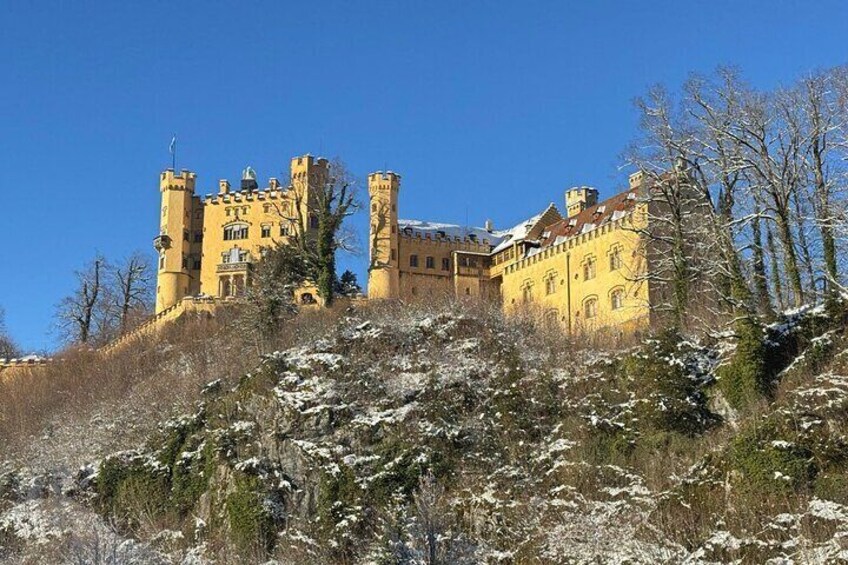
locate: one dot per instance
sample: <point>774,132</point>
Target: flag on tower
<point>172,149</point>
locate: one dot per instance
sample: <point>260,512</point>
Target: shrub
<point>769,465</point>
<point>130,487</point>
<point>745,378</point>
<point>671,395</point>
<point>832,485</point>
<point>338,494</point>
<point>252,525</point>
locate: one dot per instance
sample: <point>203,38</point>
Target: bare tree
<point>131,289</point>
<point>77,314</point>
<point>322,203</point>
<point>825,116</point>
<point>719,164</point>
<point>8,348</point>
<point>680,228</point>
<point>773,159</point>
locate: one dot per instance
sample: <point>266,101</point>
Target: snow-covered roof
<point>520,231</point>
<point>498,239</point>
<point>435,230</point>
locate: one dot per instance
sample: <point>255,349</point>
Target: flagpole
<point>174,153</point>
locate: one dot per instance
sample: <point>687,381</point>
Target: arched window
<point>589,268</point>
<point>235,231</point>
<point>552,318</point>
<point>617,298</point>
<point>590,307</point>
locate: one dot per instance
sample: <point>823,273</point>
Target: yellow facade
<point>208,245</point>
<point>584,270</point>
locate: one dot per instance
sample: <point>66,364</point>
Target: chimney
<point>489,226</point>
<point>223,186</point>
<point>579,198</point>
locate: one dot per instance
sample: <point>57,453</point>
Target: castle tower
<point>173,281</point>
<point>383,274</point>
<point>579,198</point>
<point>307,173</point>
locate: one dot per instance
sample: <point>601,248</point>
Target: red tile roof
<point>595,215</point>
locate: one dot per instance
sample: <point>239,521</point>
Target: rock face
<point>462,438</point>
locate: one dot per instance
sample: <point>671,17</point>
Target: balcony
<point>465,271</point>
<point>162,241</point>
<point>238,267</point>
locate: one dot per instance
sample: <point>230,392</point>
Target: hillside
<point>437,435</point>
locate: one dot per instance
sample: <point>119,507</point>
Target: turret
<point>173,243</point>
<point>383,274</point>
<point>579,198</point>
<point>307,173</point>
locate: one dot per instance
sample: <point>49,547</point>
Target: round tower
<point>173,241</point>
<point>383,275</point>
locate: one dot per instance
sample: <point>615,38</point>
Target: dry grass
<point>86,404</point>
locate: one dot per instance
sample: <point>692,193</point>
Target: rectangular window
<point>413,260</point>
<point>198,236</point>
<point>615,260</point>
<point>446,264</point>
<point>394,255</point>
<point>430,263</point>
<point>313,222</point>
<point>284,230</point>
<point>197,264</point>
<point>550,285</point>
<point>266,231</point>
<point>185,235</point>
<point>589,269</point>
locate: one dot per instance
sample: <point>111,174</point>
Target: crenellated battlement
<point>184,180</point>
<point>10,368</point>
<point>380,180</point>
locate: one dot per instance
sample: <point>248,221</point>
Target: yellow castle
<point>208,245</point>
<point>583,269</point>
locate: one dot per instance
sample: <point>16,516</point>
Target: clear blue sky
<point>486,108</point>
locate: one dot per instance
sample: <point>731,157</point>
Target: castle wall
<point>564,299</point>
<point>195,255</point>
<point>267,215</point>
<point>421,280</point>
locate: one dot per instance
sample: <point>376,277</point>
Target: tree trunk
<point>759,268</point>
<point>790,258</point>
<point>775,268</point>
